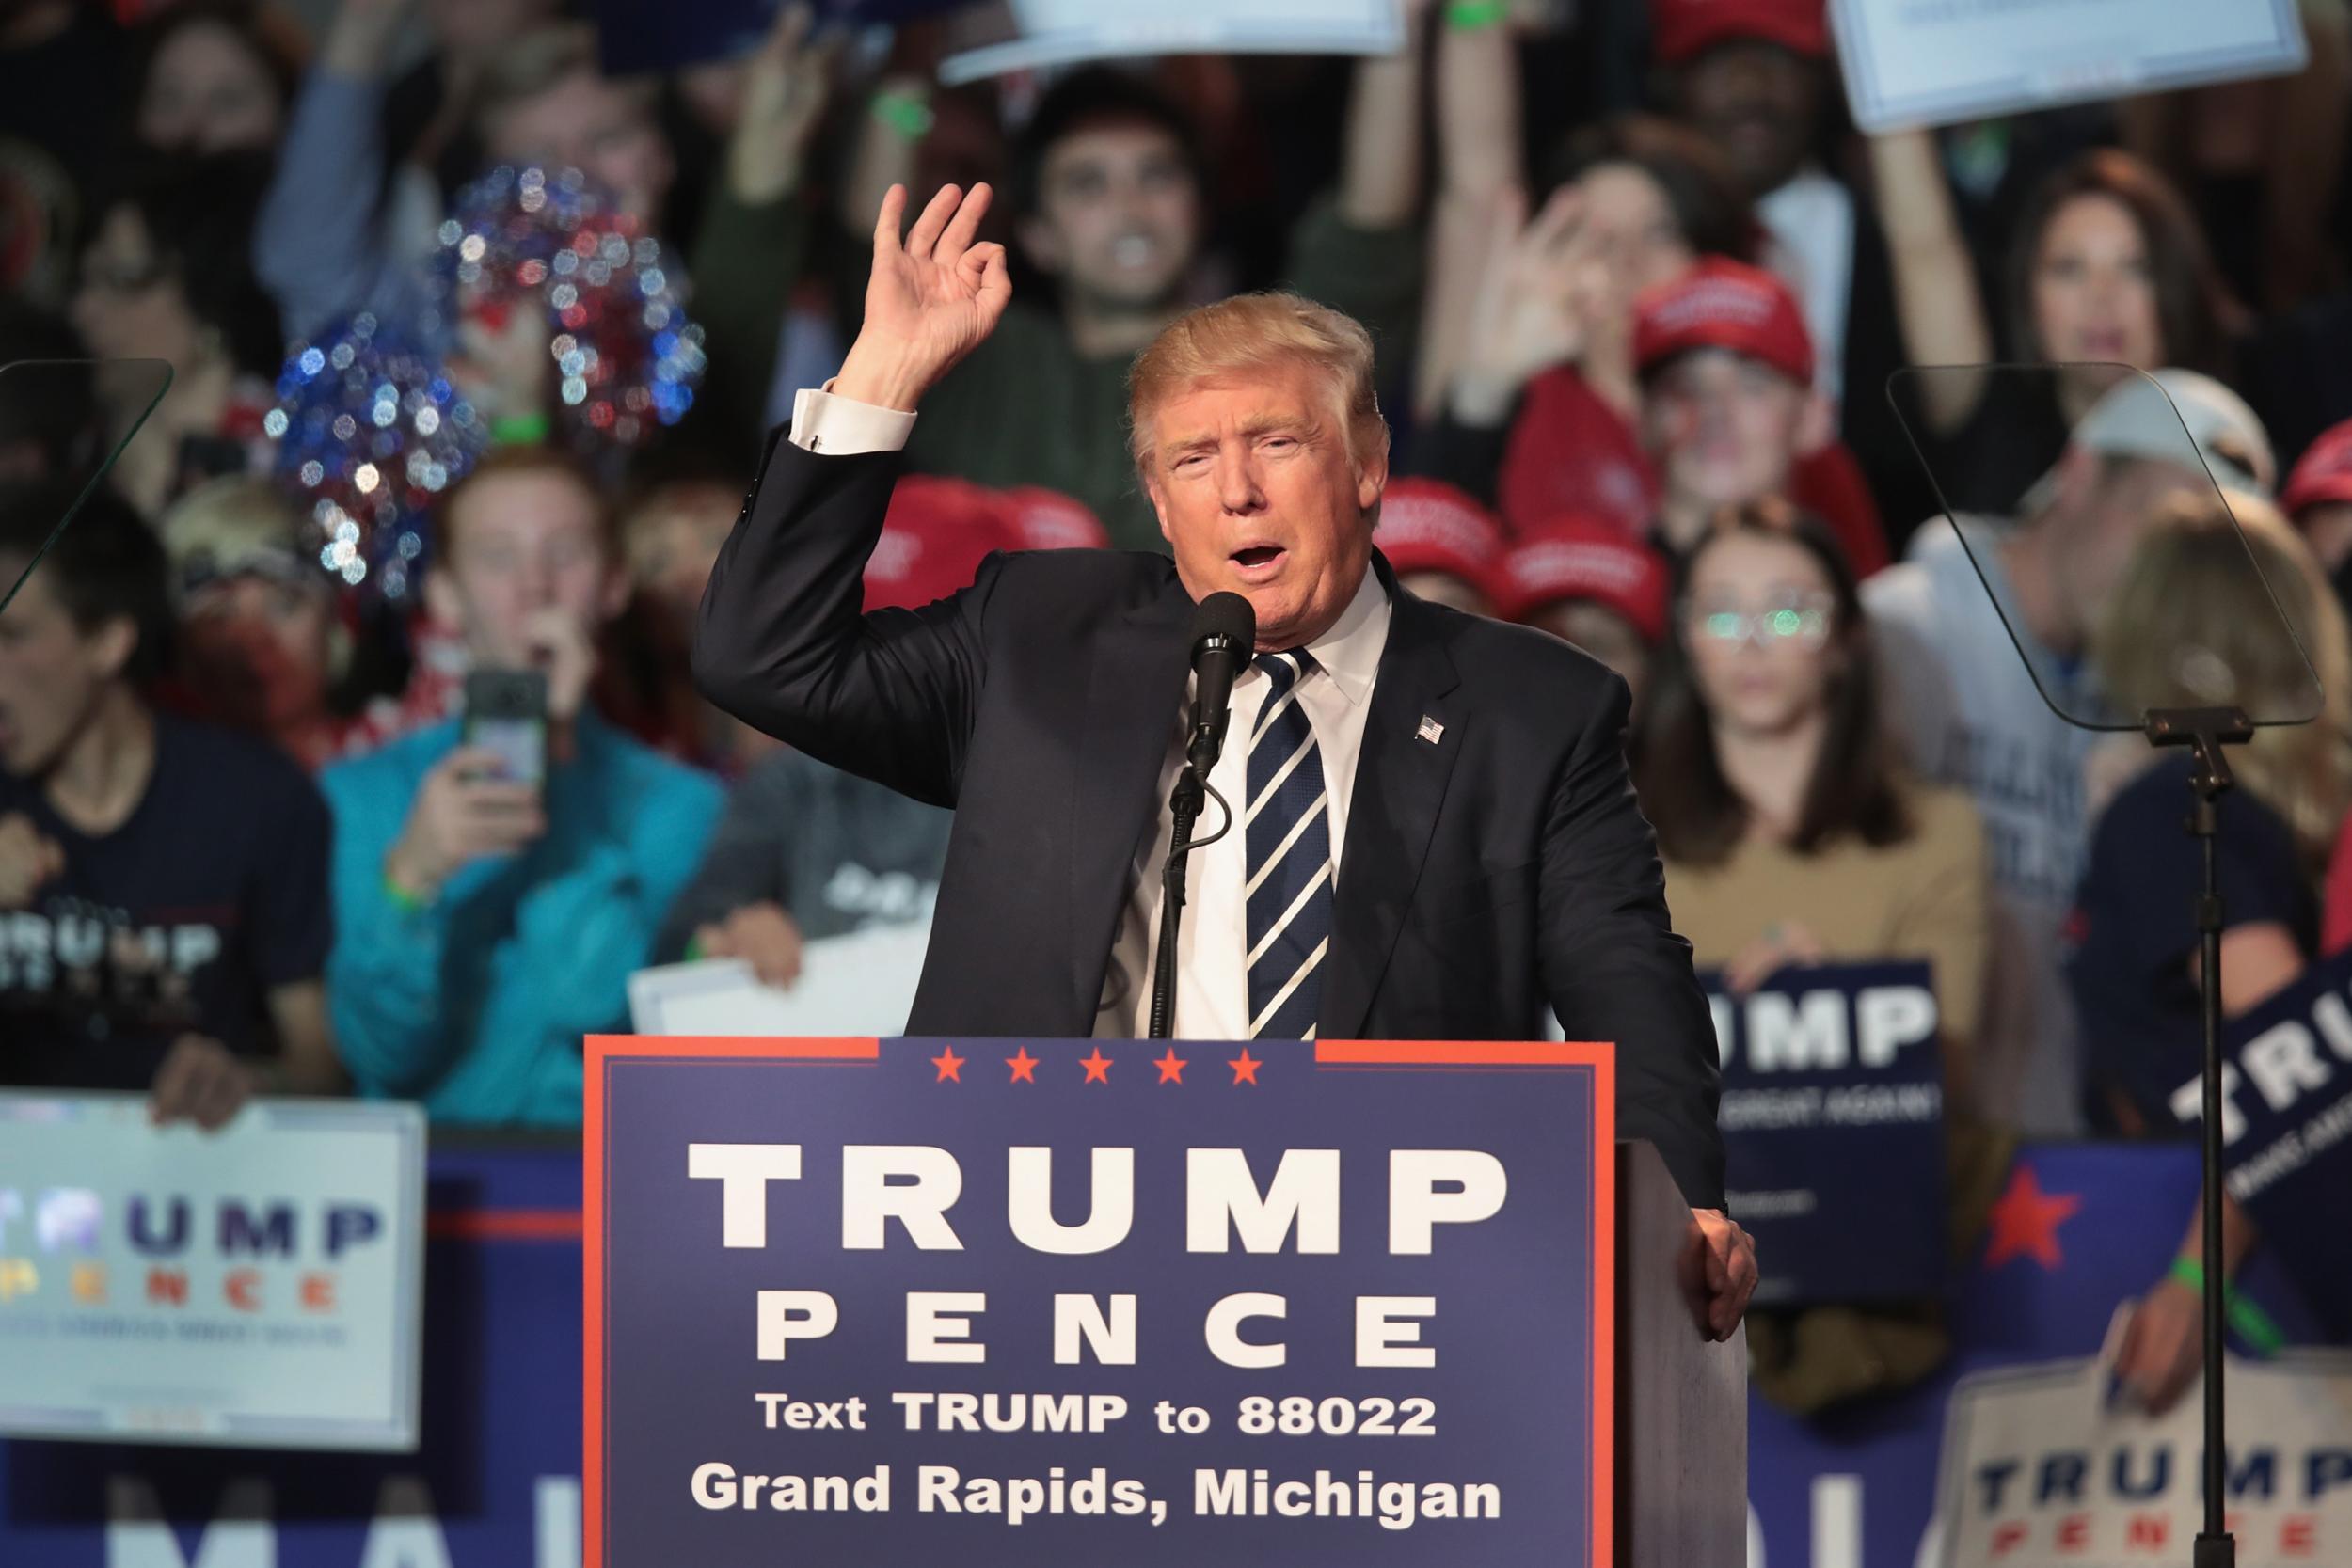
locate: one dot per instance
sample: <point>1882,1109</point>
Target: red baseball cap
<point>933,539</point>
<point>1728,304</point>
<point>1429,526</point>
<point>1682,30</point>
<point>2323,474</point>
<point>1574,557</point>
<point>1043,519</point>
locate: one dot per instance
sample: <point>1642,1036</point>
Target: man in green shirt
<point>1107,188</point>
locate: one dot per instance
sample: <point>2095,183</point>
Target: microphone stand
<point>1183,805</point>
<point>2205,731</point>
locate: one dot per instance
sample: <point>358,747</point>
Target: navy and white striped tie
<point>1288,826</point>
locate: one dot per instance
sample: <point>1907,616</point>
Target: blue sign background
<point>1514,1384</point>
<point>1879,1179</point>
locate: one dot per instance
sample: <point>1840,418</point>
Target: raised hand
<point>1531,313</point>
<point>929,301</point>
<point>784,88</point>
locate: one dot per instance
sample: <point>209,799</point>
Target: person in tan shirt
<point>1790,836</point>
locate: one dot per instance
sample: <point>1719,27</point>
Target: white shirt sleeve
<point>842,426</point>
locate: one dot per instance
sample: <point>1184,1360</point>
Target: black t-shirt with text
<point>181,920</point>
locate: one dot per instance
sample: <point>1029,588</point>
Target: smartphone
<point>506,711</point>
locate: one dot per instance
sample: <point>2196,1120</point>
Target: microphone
<point>1224,634</point>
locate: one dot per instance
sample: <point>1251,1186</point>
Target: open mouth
<point>1259,561</point>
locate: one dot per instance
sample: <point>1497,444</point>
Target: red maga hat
<point>1429,526</point>
<point>1682,30</point>
<point>933,539</point>
<point>2323,474</point>
<point>1728,304</point>
<point>1574,557</point>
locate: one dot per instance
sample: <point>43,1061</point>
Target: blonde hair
<point>234,520</point>
<point>2191,626</point>
<point>1255,332</point>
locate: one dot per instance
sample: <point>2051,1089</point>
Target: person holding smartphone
<point>498,876</point>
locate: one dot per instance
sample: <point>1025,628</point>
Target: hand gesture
<point>1719,1272</point>
<point>26,861</point>
<point>1531,313</point>
<point>929,302</point>
<point>463,812</point>
<point>1779,947</point>
<point>200,1080</point>
<point>784,88</point>
<point>566,650</point>
<point>763,936</point>
<point>2163,1348</point>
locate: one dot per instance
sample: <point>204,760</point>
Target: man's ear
<point>113,643</point>
<point>1042,244</point>
<point>1817,426</point>
<point>1373,477</point>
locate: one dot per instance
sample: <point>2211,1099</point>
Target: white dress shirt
<point>1212,978</point>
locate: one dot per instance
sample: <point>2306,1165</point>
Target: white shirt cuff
<point>842,426</point>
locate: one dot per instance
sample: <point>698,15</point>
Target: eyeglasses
<point>1803,621</point>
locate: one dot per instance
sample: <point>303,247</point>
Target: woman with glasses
<point>1789,833</point>
<point>1792,838</point>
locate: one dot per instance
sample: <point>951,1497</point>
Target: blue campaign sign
<point>1832,1120</point>
<point>1055,1302</point>
<point>2287,1128</point>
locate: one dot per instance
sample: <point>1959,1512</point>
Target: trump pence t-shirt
<point>181,920</point>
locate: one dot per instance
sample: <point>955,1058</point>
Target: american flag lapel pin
<point>1430,730</point>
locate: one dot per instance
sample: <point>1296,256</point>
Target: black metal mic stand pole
<point>1183,805</point>
<point>2205,731</point>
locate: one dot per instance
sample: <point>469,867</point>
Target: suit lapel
<point>1412,737</point>
<point>1135,692</point>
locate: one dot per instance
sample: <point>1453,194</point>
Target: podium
<point>1056,1303</point>
<point>1681,1399</point>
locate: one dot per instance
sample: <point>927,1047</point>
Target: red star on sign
<point>2026,1221</point>
<point>1171,1066</point>
<point>1098,1065</point>
<point>1023,1067</point>
<point>1245,1067</point>
<point>949,1065</point>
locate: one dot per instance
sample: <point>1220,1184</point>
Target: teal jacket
<point>475,1003</point>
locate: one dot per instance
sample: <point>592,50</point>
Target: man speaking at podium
<point>1434,832</point>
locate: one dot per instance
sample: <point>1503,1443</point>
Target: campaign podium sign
<point>1078,1302</point>
<point>1832,1120</point>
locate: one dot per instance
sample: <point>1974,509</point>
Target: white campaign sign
<point>2040,1471</point>
<point>1063,32</point>
<point>1940,62</point>
<point>259,1287</point>
<point>856,985</point>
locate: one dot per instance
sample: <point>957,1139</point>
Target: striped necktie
<point>1288,826</point>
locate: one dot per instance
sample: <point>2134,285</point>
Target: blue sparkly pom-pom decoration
<point>626,358</point>
<point>369,434</point>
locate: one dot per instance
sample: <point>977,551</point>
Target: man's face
<point>258,649</point>
<point>1760,103</point>
<point>52,674</point>
<point>523,543</point>
<point>1726,429</point>
<point>207,92</point>
<point>596,126</point>
<point>1119,216</point>
<point>1258,496</point>
<point>673,541</point>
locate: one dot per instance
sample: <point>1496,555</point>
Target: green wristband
<point>405,899</point>
<point>1470,16</point>
<point>2253,1323</point>
<point>520,430</point>
<point>904,112</point>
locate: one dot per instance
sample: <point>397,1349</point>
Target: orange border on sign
<point>599,1050</point>
<point>1600,1059</point>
